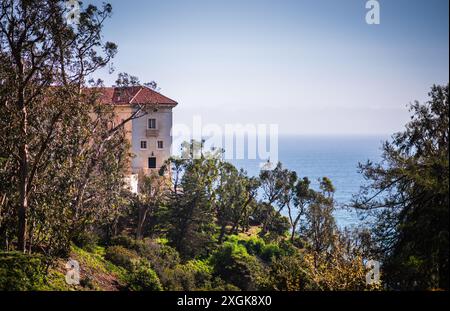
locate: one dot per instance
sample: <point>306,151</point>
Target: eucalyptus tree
<point>276,186</point>
<point>319,227</point>
<point>63,158</point>
<point>302,197</point>
<point>235,195</point>
<point>191,216</point>
<point>153,194</point>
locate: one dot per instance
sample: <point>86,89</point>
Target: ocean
<point>335,157</point>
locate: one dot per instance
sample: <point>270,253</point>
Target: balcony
<point>151,132</point>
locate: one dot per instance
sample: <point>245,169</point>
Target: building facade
<point>148,131</point>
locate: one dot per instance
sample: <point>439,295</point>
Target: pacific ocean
<point>335,157</point>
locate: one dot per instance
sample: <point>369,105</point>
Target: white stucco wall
<point>131,183</point>
<point>139,126</point>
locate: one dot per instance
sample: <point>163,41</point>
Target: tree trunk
<point>23,176</point>
<point>292,234</point>
<point>222,234</point>
<point>141,220</point>
<point>23,200</point>
<point>294,226</point>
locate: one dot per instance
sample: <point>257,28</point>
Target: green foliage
<point>141,247</point>
<point>56,281</point>
<point>121,256</point>
<point>276,185</point>
<point>143,278</point>
<point>233,264</point>
<point>408,193</point>
<point>194,275</point>
<point>289,273</point>
<point>187,277</point>
<point>191,217</point>
<point>275,225</point>
<point>151,205</point>
<point>235,197</point>
<point>276,228</point>
<point>201,270</point>
<point>161,258</point>
<point>20,272</point>
<point>159,255</point>
<point>123,240</point>
<point>254,245</point>
<point>86,240</point>
<point>65,164</point>
<point>87,283</point>
<point>270,252</point>
<point>96,261</point>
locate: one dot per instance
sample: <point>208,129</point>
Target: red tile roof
<point>132,95</point>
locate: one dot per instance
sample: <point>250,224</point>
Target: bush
<point>289,273</point>
<point>123,240</point>
<point>233,264</point>
<point>87,282</point>
<point>161,258</point>
<point>201,271</point>
<point>143,278</point>
<point>121,256</point>
<point>86,240</point>
<point>159,255</point>
<point>270,252</point>
<point>277,227</point>
<point>257,247</point>
<point>254,245</point>
<point>193,275</point>
<point>220,285</point>
<point>288,248</point>
<point>178,279</point>
<point>21,272</point>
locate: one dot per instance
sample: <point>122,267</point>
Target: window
<point>143,144</point>
<point>152,162</point>
<point>160,144</point>
<point>152,123</point>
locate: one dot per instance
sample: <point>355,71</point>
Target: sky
<point>314,67</point>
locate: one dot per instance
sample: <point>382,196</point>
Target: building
<point>149,132</point>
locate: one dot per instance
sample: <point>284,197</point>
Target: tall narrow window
<point>151,123</point>
<point>160,144</point>
<point>143,144</point>
<point>152,162</point>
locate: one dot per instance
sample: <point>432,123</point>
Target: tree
<point>42,51</point>
<point>191,217</point>
<point>277,185</point>
<point>302,198</point>
<point>63,158</point>
<point>319,228</point>
<point>339,267</point>
<point>235,194</point>
<point>152,195</point>
<point>408,194</point>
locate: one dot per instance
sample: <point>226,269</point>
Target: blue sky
<point>311,66</point>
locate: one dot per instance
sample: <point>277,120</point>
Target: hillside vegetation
<point>199,223</point>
